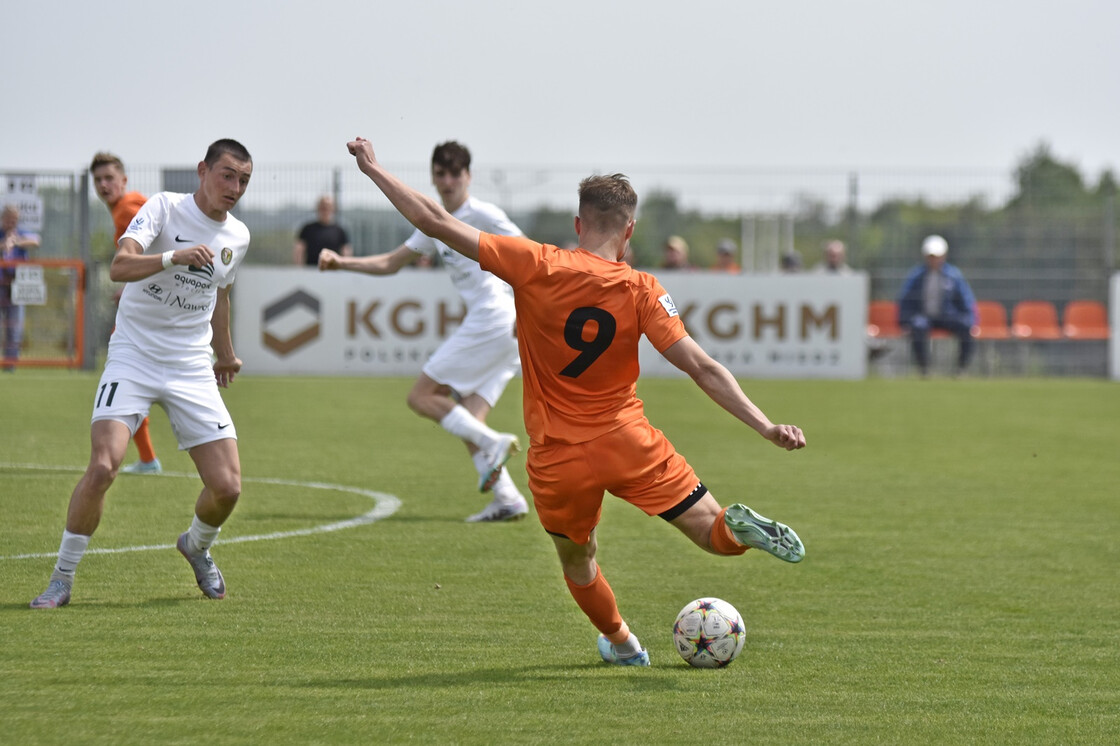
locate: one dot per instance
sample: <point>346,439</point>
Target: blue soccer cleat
<point>610,654</point>
<point>144,467</point>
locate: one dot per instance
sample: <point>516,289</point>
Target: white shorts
<point>476,361</point>
<point>130,385</point>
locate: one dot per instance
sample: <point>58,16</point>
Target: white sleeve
<point>421,244</point>
<point>148,221</point>
<point>501,225</point>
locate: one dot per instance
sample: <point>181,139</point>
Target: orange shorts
<point>635,462</point>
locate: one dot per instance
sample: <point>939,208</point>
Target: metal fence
<point>1057,254</point>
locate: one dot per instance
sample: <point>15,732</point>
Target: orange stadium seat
<point>1085,319</point>
<point>1035,319</point>
<point>991,320</point>
<point>882,319</point>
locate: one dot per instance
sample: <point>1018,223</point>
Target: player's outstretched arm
<point>378,264</point>
<point>427,215</point>
<point>718,383</point>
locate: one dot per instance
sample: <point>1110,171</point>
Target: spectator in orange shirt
<point>580,316</point>
<point>726,252</point>
<point>111,184</point>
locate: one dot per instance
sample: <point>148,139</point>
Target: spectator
<point>791,262</point>
<point>15,246</point>
<point>675,254</point>
<point>726,253</point>
<point>935,295</point>
<point>323,233</point>
<point>834,259</point>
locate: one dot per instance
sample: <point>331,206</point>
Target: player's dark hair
<point>105,158</point>
<point>607,202</point>
<point>219,147</point>
<point>452,156</point>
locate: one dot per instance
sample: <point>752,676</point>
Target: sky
<point>608,85</point>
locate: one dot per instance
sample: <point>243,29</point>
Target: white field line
<point>384,506</point>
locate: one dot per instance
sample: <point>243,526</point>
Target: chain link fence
<point>1011,245</point>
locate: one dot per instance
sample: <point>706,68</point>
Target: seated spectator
<point>935,295</point>
<point>791,262</point>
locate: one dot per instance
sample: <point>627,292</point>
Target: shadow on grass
<point>653,678</point>
<point>96,604</point>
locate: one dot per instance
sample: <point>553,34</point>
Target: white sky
<point>605,84</point>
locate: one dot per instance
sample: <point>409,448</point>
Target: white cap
<point>934,246</point>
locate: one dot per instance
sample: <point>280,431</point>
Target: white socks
<point>462,424</point>
<point>629,648</point>
<point>70,553</point>
<point>200,536</point>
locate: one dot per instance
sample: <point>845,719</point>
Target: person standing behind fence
<point>935,295</point>
<point>111,184</point>
<point>674,254</point>
<point>833,260</point>
<point>726,252</point>
<point>179,258</point>
<point>16,245</point>
<point>323,233</point>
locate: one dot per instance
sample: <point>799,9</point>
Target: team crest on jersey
<point>668,304</point>
<point>227,256</point>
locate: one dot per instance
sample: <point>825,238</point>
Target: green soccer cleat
<point>759,532</point>
<point>507,445</point>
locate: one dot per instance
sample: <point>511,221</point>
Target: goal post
<point>49,295</point>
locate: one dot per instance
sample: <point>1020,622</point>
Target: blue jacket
<point>957,301</point>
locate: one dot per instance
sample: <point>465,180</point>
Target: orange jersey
<point>124,210</point>
<point>579,321</point>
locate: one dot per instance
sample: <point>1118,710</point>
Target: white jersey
<point>166,317</point>
<point>489,300</point>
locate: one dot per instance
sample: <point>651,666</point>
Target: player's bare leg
<point>489,449</point>
<point>616,643</point>
<point>733,529</point>
<point>108,445</point>
<point>219,465</point>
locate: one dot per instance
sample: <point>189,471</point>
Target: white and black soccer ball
<point>709,633</point>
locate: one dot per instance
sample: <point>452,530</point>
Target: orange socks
<point>596,599</point>
<point>143,441</point>
<point>721,538</point>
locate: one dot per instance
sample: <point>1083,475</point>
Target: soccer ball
<point>709,633</point>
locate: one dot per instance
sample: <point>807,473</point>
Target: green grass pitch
<point>961,584</point>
